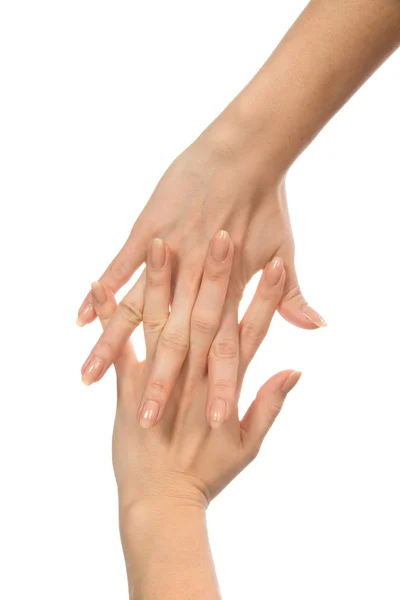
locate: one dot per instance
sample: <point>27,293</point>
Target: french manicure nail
<point>91,370</point>
<point>157,253</point>
<point>290,381</point>
<point>273,272</point>
<point>98,293</point>
<point>220,246</point>
<point>149,413</point>
<point>86,314</point>
<point>217,413</point>
<point>313,316</point>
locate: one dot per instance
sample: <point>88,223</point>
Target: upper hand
<point>209,186</point>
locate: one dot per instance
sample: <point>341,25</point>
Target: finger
<point>223,365</point>
<point>294,308</point>
<point>257,319</point>
<point>120,327</point>
<point>172,349</point>
<point>207,311</point>
<point>265,408</point>
<point>170,355</point>
<point>104,302</point>
<point>118,272</point>
<point>105,305</point>
<point>157,294</point>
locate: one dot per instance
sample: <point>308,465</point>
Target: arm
<point>232,177</point>
<point>167,553</point>
<point>329,52</point>
<point>168,474</point>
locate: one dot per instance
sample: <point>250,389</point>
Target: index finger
<point>118,272</point>
<point>105,306</point>
<point>120,327</point>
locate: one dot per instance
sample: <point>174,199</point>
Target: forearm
<point>167,554</point>
<point>333,47</point>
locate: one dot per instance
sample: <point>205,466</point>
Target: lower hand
<point>181,460</point>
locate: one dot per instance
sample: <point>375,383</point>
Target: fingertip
<point>311,315</point>
<point>149,414</point>
<point>99,293</point>
<point>221,246</point>
<point>86,313</point>
<point>276,382</point>
<point>217,413</point>
<point>93,370</point>
<point>274,273</point>
<point>294,316</point>
<point>291,381</point>
<point>157,253</point>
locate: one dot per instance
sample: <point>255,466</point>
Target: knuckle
<point>176,341</point>
<point>130,312</point>
<point>252,332</point>
<point>156,389</point>
<point>269,295</point>
<point>154,279</point>
<point>224,385</point>
<point>294,293</point>
<point>154,321</point>
<point>203,323</point>
<point>118,270</point>
<point>216,273</point>
<point>104,349</point>
<point>224,348</point>
<point>153,325</point>
<point>274,410</point>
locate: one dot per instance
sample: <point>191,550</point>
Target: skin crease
<point>233,177</point>
<point>167,475</point>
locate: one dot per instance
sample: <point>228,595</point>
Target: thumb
<point>293,306</point>
<point>265,408</point>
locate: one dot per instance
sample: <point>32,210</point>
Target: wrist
<point>157,524</point>
<point>239,139</point>
<point>249,134</point>
<point>157,516</point>
<point>161,493</point>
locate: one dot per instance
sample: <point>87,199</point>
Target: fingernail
<point>220,246</point>
<point>313,316</point>
<point>273,272</point>
<point>157,253</point>
<point>148,414</point>
<point>98,293</point>
<point>290,381</point>
<point>91,370</point>
<point>86,313</point>
<point>217,413</point>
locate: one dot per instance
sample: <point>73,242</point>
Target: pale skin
<point>168,474</point>
<point>233,177</point>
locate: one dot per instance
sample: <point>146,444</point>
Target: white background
<point>96,100</point>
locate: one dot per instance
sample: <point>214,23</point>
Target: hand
<point>212,184</point>
<point>181,460</point>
